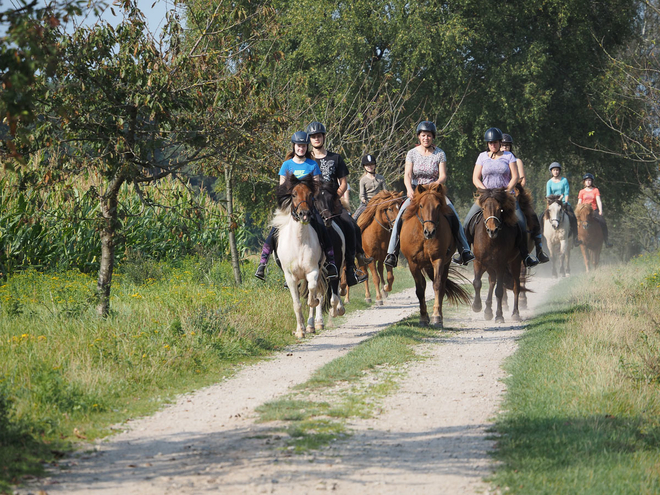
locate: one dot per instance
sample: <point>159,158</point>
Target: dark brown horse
<point>496,251</point>
<point>428,244</point>
<point>590,233</point>
<point>376,224</point>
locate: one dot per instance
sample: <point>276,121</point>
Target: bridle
<point>390,222</point>
<point>295,208</point>
<point>556,222</point>
<point>499,223</point>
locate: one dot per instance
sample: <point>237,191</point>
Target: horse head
<point>428,204</point>
<point>297,195</point>
<point>328,202</point>
<point>498,208</point>
<point>584,213</point>
<point>382,209</point>
<point>555,211</point>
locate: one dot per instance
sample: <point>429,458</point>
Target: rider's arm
<point>567,190</point>
<point>407,179</point>
<point>282,179</point>
<point>442,172</point>
<point>363,190</point>
<point>343,186</point>
<point>513,168</point>
<point>600,205</point>
<point>476,177</point>
<point>521,172</point>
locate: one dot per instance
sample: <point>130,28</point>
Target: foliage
<point>57,227</point>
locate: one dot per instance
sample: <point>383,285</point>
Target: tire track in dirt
<point>430,436</point>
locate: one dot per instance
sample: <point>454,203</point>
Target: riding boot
<point>464,254</point>
<point>603,226</point>
<point>360,255</point>
<point>542,257</point>
<point>391,259</point>
<point>528,260</point>
<point>268,248</point>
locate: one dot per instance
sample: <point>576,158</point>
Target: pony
<point>428,244</point>
<point>376,223</point>
<point>590,233</point>
<point>496,251</point>
<point>299,249</point>
<point>328,203</point>
<point>556,228</point>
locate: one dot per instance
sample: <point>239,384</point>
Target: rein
<point>294,210</point>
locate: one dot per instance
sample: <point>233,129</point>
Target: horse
<point>328,203</point>
<point>428,244</point>
<point>556,228</point>
<point>299,249</point>
<point>376,223</point>
<point>496,251</point>
<point>590,233</point>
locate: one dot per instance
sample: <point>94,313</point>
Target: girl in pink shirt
<point>591,194</point>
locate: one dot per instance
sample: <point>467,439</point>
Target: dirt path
<point>430,437</point>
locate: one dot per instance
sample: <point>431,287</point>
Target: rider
<point>333,169</point>
<point>591,194</point>
<point>498,168</point>
<point>507,145</point>
<point>558,186</point>
<point>371,183</point>
<point>299,163</point>
<point>427,164</point>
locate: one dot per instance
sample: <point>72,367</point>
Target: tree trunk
<point>108,233</point>
<point>235,260</point>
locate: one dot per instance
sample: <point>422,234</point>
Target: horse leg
<point>515,273</point>
<point>390,278</point>
<point>476,283</point>
<point>313,297</point>
<point>499,292</point>
<point>297,306</point>
<point>439,281</point>
<point>505,300</point>
<point>367,291</point>
<point>522,294</point>
<point>568,259</point>
<point>585,255</point>
<point>376,281</point>
<point>420,290</point>
<point>488,312</point>
<point>563,245</point>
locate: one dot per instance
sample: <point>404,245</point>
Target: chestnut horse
<point>496,251</point>
<point>299,249</point>
<point>376,223</point>
<point>590,233</point>
<point>428,244</point>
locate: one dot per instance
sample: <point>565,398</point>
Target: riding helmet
<point>493,134</point>
<point>368,160</point>
<point>506,138</point>
<point>300,137</point>
<point>427,126</point>
<point>588,176</point>
<point>554,165</point>
<point>315,128</point>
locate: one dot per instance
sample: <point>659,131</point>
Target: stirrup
<point>542,257</point>
<point>530,261</point>
<point>331,270</point>
<point>391,260</point>
<point>361,276</point>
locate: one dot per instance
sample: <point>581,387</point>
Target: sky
<point>154,11</point>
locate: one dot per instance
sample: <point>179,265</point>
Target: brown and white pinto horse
<point>376,223</point>
<point>496,251</point>
<point>590,233</point>
<point>428,244</point>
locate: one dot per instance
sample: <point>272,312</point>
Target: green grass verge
<point>66,375</point>
<point>582,409</point>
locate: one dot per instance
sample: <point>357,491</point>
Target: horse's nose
<point>429,233</point>
<point>492,233</point>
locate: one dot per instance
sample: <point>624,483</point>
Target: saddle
<point>469,228</point>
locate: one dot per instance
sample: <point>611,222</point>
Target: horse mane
<point>506,200</point>
<point>368,215</point>
<point>331,188</point>
<point>553,198</point>
<point>437,190</point>
<point>284,190</point>
<point>579,209</point>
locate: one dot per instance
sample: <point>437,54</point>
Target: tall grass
<point>582,411</point>
<point>56,227</point>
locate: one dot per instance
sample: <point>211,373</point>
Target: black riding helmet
<point>588,176</point>
<point>315,128</point>
<point>506,138</point>
<point>554,165</point>
<point>427,126</point>
<point>368,160</point>
<point>300,137</point>
<point>493,134</point>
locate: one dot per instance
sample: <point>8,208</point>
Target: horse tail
<point>508,281</point>
<point>326,288</point>
<point>454,291</point>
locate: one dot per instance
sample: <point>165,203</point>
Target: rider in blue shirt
<point>558,185</point>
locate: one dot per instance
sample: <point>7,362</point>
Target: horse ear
<point>420,188</point>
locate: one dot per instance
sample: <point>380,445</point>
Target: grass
<point>351,386</point>
<point>67,376</point>
<point>582,410</point>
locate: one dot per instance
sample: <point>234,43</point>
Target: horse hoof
<point>488,315</point>
<point>387,288</point>
<point>309,329</point>
<point>342,291</point>
<point>341,312</point>
<point>319,326</point>
<point>380,302</point>
<point>476,308</point>
<point>523,304</point>
<point>515,317</point>
<point>367,300</point>
<point>423,323</point>
<point>499,319</point>
<point>436,321</point>
<point>299,334</point>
